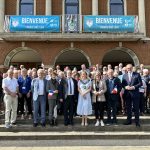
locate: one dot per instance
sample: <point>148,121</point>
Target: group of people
<point>72,92</point>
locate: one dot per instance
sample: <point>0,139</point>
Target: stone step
<point>76,127</point>
<point>74,135</point>
<point>77,120</point>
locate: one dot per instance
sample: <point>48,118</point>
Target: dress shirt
<point>11,84</point>
<point>70,86</point>
<point>41,87</point>
<point>111,85</point>
<point>130,76</point>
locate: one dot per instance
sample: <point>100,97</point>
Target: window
<point>71,16</point>
<point>71,7</point>
<point>116,7</point>
<point>26,7</point>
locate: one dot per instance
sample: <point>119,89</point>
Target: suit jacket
<point>61,88</point>
<point>117,83</point>
<point>102,89</point>
<point>53,87</point>
<point>34,88</point>
<point>135,81</point>
<point>147,80</point>
<point>66,89</point>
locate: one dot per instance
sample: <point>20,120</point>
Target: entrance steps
<point>24,130</point>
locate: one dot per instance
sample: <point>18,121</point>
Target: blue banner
<point>110,24</point>
<point>34,23</point>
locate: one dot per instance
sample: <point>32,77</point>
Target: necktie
<point>70,86</point>
<point>110,85</point>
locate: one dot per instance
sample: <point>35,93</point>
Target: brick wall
<point>10,7</point>
<point>40,7</point>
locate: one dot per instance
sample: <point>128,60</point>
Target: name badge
<point>141,90</point>
<point>23,88</point>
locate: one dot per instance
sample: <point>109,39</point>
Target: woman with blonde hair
<point>84,107</point>
<point>98,98</point>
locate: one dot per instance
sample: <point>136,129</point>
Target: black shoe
<point>108,122</point>
<point>55,122</point>
<point>51,123</point>
<point>35,124</point>
<point>43,125</point>
<point>65,124</point>
<point>128,123</point>
<point>114,121</point>
<point>138,125</point>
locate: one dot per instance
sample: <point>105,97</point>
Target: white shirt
<point>130,76</point>
<point>41,87</point>
<point>48,77</point>
<point>11,84</point>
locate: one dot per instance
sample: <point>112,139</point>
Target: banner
<point>110,24</point>
<point>71,23</point>
<point>34,23</point>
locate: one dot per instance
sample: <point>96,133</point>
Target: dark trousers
<point>132,100</point>
<point>99,110</point>
<point>142,103</point>
<point>29,104</point>
<point>68,110</point>
<point>112,102</point>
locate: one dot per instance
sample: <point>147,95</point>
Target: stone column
<point>2,15</point>
<point>94,7</point>
<point>141,10</point>
<point>48,7</point>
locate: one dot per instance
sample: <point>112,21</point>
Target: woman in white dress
<point>84,107</point>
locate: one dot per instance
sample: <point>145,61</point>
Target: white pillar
<point>48,8</point>
<point>141,9</point>
<point>2,15</point>
<point>94,7</point>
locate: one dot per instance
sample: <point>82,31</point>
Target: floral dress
<point>84,106</point>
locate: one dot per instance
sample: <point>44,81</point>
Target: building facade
<point>73,44</point>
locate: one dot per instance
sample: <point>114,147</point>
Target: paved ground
<point>73,143</point>
<point>78,148</point>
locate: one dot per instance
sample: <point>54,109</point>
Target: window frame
<point>123,4</point>
<point>77,4</point>
<point>27,3</point>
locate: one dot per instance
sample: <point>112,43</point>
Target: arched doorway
<point>120,55</point>
<point>23,56</point>
<point>72,58</point>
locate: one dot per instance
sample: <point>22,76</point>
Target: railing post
<point>48,10</point>
<point>141,9</point>
<point>2,14</point>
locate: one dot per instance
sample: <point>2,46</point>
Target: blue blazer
<point>136,81</point>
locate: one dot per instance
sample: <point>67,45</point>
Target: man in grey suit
<point>38,87</point>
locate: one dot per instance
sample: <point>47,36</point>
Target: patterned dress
<point>84,106</point>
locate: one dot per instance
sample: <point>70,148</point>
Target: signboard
<point>110,24</point>
<point>34,23</point>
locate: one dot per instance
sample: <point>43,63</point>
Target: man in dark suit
<point>146,78</point>
<point>131,82</point>
<point>61,92</point>
<point>71,93</point>
<point>112,96</point>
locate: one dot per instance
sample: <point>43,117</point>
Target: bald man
<point>131,82</point>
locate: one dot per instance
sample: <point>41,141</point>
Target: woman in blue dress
<point>84,107</point>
